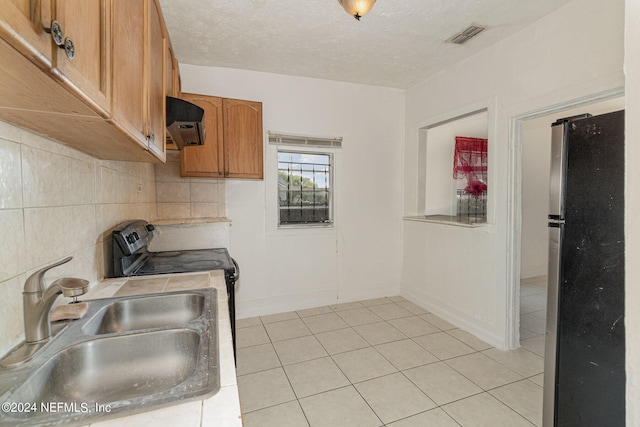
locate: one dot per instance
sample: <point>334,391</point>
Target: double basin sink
<point>126,355</point>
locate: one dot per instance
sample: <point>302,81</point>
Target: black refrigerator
<point>584,378</point>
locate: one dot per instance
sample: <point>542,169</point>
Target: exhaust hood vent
<point>466,34</point>
<point>184,122</point>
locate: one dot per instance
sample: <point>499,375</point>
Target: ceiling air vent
<point>466,34</point>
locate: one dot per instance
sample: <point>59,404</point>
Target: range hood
<point>184,122</point>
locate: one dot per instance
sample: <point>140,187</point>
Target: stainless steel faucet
<point>38,299</point>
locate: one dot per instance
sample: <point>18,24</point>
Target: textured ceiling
<point>398,44</point>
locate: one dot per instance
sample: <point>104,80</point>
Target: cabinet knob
<point>152,137</point>
<point>56,33</point>
<point>69,48</point>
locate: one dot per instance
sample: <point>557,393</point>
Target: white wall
<point>361,256</point>
<point>528,71</point>
<point>632,207</point>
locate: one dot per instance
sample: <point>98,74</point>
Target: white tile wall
<point>187,197</point>
<point>56,202</point>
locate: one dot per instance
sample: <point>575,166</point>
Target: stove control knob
<point>150,227</point>
<point>136,236</point>
<point>131,239</point>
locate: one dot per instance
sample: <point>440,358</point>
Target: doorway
<point>534,141</point>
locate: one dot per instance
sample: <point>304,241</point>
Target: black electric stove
<point>131,257</point>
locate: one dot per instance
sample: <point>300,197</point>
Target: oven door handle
<point>236,275</point>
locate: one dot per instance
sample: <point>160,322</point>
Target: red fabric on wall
<point>470,161</point>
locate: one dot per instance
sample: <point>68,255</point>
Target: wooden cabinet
<point>82,63</point>
<point>111,84</point>
<point>242,122</point>
<point>83,66</point>
<point>138,54</point>
<point>155,45</point>
<point>206,160</point>
<point>233,145</point>
<point>23,24</point>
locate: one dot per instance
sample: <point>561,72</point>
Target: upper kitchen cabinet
<point>100,86</point>
<point>233,146</point>
<point>24,25</point>
<point>65,38</point>
<point>138,55</point>
<point>242,121</point>
<point>81,53</point>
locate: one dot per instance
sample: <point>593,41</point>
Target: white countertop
<point>223,408</point>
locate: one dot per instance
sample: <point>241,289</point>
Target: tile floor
<point>381,362</point>
<point>533,313</point>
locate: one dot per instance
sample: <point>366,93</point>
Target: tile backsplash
<point>187,197</point>
<point>57,202</point>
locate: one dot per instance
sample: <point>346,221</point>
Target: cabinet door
<point>23,23</point>
<point>243,139</point>
<point>156,110</point>
<point>84,69</point>
<point>128,73</point>
<point>205,160</point>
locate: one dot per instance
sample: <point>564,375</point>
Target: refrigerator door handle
<point>551,337</point>
<point>557,175</point>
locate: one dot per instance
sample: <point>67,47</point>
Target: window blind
<point>301,141</point>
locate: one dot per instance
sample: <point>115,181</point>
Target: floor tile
<point>531,303</point>
<point>324,322</point>
<point>483,371</point>
<point>437,321</point>
<point>250,336</point>
<point>255,359</point>
<point>342,407</point>
<point>249,321</point>
<point>375,301</point>
<point>534,344</point>
<point>526,334</point>
<point>285,415</point>
<point>279,317</point>
<point>390,311</point>
<point>379,333</point>
<point>533,323</point>
<point>412,308</point>
<point>443,346</point>
<point>484,410</point>
<point>433,418</point>
<point>538,379</point>
<point>315,376</point>
<point>341,340</point>
<point>442,383</point>
<point>359,316</point>
<point>397,298</point>
<point>524,397</point>
<point>287,329</point>
<point>405,354</point>
<point>394,397</point>
<point>468,339</point>
<point>413,326</point>
<point>263,389</point>
<point>520,360</point>
<point>345,306</point>
<point>299,350</point>
<point>363,364</point>
<point>314,311</point>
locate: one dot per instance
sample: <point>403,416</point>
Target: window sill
<point>457,221</point>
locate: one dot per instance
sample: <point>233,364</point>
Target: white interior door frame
<point>514,197</point>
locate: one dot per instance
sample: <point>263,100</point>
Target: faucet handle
<point>35,282</point>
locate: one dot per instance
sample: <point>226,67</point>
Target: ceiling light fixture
<point>357,8</point>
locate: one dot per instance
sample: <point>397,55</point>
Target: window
<point>304,188</point>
